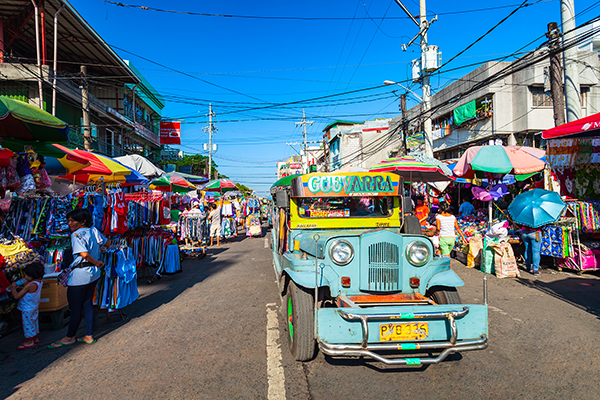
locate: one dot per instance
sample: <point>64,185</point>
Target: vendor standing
<point>466,208</point>
<point>422,211</point>
<point>86,242</point>
<point>532,239</point>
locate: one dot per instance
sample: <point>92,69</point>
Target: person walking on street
<point>447,226</point>
<point>215,224</point>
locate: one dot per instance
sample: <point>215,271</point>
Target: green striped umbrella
<point>22,121</point>
<point>412,170</point>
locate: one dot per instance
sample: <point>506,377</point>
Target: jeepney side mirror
<point>283,199</point>
<point>406,205</point>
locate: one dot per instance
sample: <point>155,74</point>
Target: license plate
<point>403,331</point>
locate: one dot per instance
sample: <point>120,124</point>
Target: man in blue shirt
<point>465,208</point>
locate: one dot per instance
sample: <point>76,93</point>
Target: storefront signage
<point>170,132</point>
<point>358,184</point>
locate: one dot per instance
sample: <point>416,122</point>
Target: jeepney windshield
<point>345,207</point>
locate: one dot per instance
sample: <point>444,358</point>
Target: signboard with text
<point>341,184</point>
<point>170,132</point>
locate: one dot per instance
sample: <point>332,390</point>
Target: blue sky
<point>241,63</point>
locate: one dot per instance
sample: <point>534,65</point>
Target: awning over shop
<point>583,127</point>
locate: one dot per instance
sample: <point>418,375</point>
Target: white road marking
<point>496,309</point>
<point>275,375</point>
<point>266,242</point>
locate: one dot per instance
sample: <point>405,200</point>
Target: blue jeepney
<point>357,278</point>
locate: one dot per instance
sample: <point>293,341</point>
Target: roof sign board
<point>346,184</point>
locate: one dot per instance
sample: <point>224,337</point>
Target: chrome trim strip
<point>327,349</point>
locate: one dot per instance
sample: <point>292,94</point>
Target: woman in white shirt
<point>447,226</point>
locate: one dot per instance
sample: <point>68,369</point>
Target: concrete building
<point>358,144</point>
<point>124,108</point>
<point>520,104</point>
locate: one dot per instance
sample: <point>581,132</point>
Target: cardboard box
<point>54,296</point>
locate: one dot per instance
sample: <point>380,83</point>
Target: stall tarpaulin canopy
<point>583,127</point>
<point>412,170</point>
<point>141,165</point>
<point>19,120</point>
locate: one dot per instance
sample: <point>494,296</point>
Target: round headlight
<point>417,254</point>
<point>341,252</point>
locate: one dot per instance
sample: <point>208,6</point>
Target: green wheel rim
<point>290,324</point>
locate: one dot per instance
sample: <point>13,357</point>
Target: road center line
<point>275,375</point>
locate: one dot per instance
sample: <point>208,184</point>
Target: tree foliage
<point>244,189</point>
<point>197,162</point>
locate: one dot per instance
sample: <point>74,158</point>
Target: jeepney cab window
<point>345,207</point>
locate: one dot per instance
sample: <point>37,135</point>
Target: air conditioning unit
<point>416,70</point>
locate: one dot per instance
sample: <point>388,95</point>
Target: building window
<point>540,98</point>
<point>585,90</point>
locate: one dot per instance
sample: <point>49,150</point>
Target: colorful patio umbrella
<point>19,120</point>
<point>132,178</point>
<point>63,166</point>
<point>536,208</point>
<point>171,182</point>
<point>98,164</point>
<point>220,185</point>
<point>500,160</point>
<point>412,170</point>
<point>195,179</point>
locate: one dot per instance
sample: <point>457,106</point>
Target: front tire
<point>444,295</point>
<point>300,318</point>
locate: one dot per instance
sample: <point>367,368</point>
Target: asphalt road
<point>214,331</point>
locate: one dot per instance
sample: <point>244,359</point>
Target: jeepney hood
<point>314,242</point>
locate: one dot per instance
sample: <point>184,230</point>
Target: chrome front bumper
<point>365,349</point>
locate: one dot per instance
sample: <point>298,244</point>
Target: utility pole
<point>404,121</point>
<point>427,65</point>
<point>85,104</point>
<point>425,81</point>
<point>572,93</point>
<point>304,123</point>
<point>556,87</point>
<point>210,130</point>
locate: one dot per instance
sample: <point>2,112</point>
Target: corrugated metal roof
<point>78,43</point>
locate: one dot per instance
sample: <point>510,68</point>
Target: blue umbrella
<point>536,208</point>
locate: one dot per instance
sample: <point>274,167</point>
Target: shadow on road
<point>381,367</point>
<point>18,366</point>
<point>582,293</point>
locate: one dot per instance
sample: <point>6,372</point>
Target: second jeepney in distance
<point>354,279</point>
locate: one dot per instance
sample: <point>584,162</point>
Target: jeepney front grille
<point>384,267</point>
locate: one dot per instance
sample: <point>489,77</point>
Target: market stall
<point>574,156</point>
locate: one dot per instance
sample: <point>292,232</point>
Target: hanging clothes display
<point>117,286</point>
